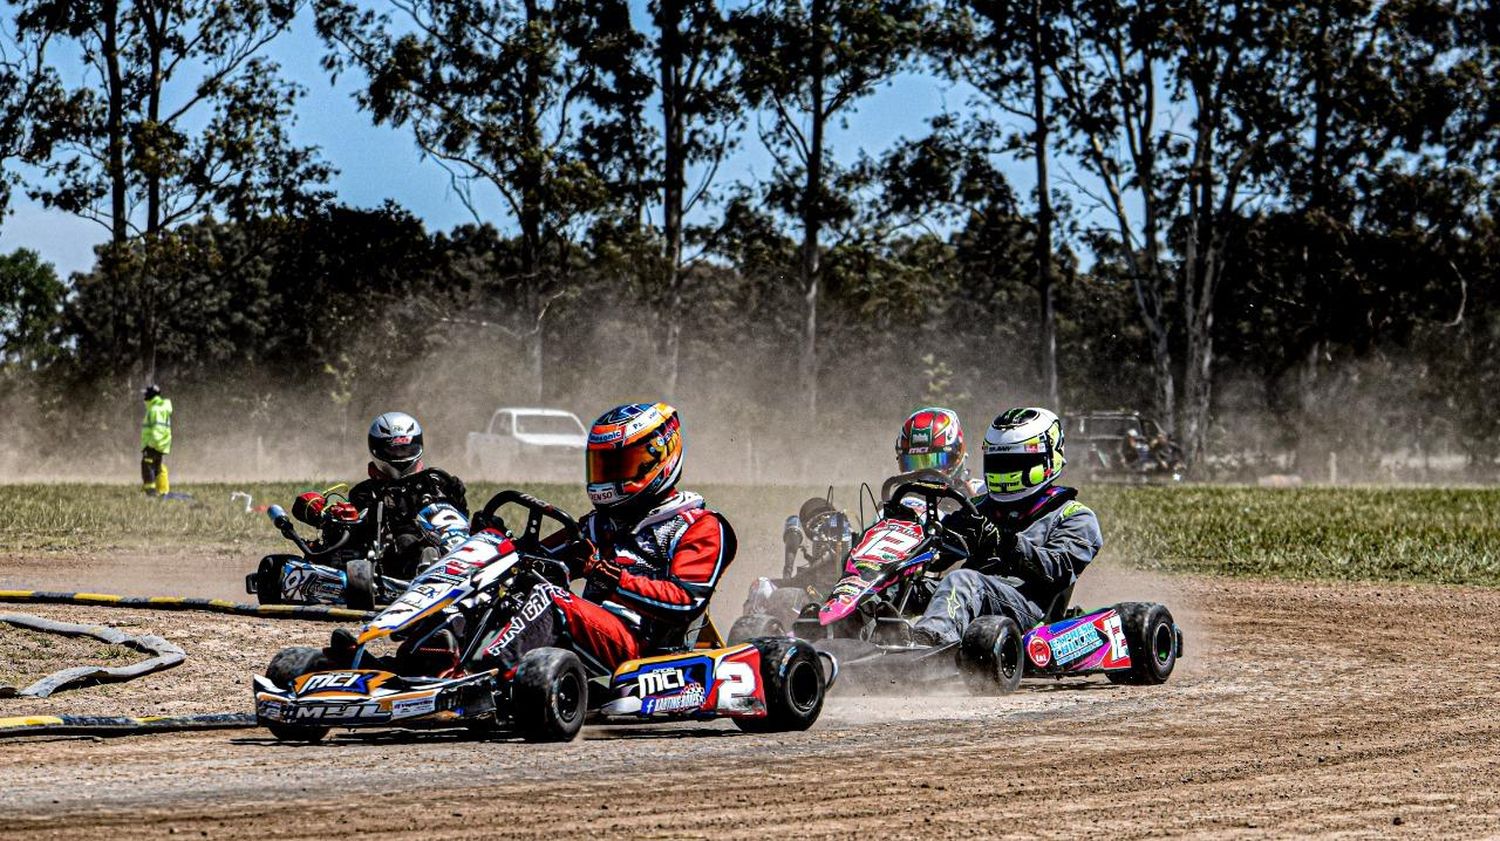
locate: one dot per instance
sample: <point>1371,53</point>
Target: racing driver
<point>652,553</point>
<point>1028,528</point>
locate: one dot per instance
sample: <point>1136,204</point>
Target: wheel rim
<point>1008,658</point>
<point>802,686</point>
<point>1162,644</point>
<point>569,691</point>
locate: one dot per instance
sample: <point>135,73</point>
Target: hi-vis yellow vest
<point>156,427</point>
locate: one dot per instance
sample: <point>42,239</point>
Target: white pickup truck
<point>528,444</point>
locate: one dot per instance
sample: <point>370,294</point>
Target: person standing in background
<point>156,441</point>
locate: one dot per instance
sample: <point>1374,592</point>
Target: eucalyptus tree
<point>534,105</point>
<point>806,64</point>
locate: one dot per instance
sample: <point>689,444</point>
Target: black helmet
<point>151,390</point>
<point>395,441</point>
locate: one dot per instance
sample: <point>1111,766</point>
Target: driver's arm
<point>702,553</point>
<point>454,492</point>
<point>1071,544</point>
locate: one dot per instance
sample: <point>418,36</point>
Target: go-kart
<point>866,621</point>
<point>341,568</point>
<point>474,593</point>
<point>821,535</point>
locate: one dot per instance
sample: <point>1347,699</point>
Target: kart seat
<point>1058,610</point>
<point>701,634</point>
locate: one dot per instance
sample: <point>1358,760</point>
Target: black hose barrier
<point>313,613</point>
<point>166,655</point>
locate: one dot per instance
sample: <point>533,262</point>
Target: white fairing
<point>477,563</point>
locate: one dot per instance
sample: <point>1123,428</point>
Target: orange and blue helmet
<point>931,439</point>
<point>634,453</point>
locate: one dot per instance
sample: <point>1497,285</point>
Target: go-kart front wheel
<point>550,695</point>
<point>1151,637</point>
<point>989,655</point>
<point>792,677</point>
<point>359,593</point>
<point>288,665</point>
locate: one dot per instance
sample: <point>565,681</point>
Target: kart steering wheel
<point>931,492</point>
<point>926,475</point>
<point>529,541</point>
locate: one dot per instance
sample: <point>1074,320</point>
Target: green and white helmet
<point>1023,453</point>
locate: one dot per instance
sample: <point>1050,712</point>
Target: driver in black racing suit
<point>404,483</point>
<point>1030,541</point>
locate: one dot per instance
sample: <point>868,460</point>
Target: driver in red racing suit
<point>652,557</point>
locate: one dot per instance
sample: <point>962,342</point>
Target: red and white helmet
<point>932,439</point>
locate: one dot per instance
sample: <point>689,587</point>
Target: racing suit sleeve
<point>699,557</point>
<point>454,491</point>
<point>1072,542</point>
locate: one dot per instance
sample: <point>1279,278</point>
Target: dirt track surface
<point>1301,708</point>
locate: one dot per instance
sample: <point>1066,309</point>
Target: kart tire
<point>786,604</point>
<point>753,626</point>
<point>1151,637</point>
<point>549,695</point>
<point>359,592</point>
<point>288,665</point>
<point>990,656</point>
<point>268,580</point>
<point>793,680</point>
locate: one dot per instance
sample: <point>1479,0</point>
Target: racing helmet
<point>1023,453</point>
<point>932,439</point>
<point>634,454</point>
<point>395,441</point>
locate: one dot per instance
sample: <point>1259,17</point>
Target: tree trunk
<point>1044,273</point>
<point>119,221</point>
<point>812,214</point>
<point>151,251</point>
<point>674,182</point>
<point>531,177</point>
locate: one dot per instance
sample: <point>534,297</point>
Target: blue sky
<point>376,164</point>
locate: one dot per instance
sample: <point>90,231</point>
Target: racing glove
<point>602,572</point>
<point>976,537</point>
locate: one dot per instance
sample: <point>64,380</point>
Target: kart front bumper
<point>397,702</point>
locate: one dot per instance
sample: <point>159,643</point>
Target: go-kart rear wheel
<point>268,579</point>
<point>792,678</point>
<point>549,695</point>
<point>1151,637</point>
<point>989,655</point>
<point>753,626</point>
<point>359,592</point>
<point>288,665</point>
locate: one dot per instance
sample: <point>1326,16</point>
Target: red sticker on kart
<point>1039,651</point>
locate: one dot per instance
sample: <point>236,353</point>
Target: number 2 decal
<point>736,684</point>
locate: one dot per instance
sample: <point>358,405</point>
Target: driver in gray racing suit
<point>1030,541</point>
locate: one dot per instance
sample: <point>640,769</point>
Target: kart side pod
<point>766,685</point>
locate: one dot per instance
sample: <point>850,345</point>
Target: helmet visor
<point>935,460</point>
<point>400,449</point>
<point>1012,472</point>
<point>619,466</point>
